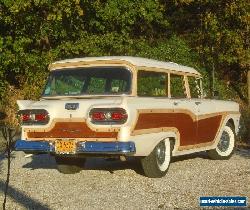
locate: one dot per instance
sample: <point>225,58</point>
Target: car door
<point>185,110</point>
<point>208,121</point>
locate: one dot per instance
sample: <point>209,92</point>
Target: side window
<point>194,86</point>
<point>177,86</point>
<point>152,84</point>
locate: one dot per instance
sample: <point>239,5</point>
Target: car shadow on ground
<point>105,164</point>
<point>202,155</point>
<point>243,152</point>
<point>20,197</point>
<point>48,162</point>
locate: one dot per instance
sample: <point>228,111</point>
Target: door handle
<point>197,103</point>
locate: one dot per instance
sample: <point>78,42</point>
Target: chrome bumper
<point>115,148</point>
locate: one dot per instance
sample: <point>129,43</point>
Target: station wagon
<point>120,106</point>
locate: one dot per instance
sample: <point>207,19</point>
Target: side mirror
<point>2,115</point>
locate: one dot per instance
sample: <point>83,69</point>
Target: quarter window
<point>177,86</point>
<point>194,86</point>
<point>152,84</point>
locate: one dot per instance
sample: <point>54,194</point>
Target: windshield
<point>88,81</point>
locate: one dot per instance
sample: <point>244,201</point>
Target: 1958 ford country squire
<point>125,106</point>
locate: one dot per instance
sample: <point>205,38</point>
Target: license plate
<point>65,146</point>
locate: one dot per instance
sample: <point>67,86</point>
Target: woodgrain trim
<point>186,126</point>
<point>100,63</point>
<point>55,120</point>
<point>132,67</point>
<point>188,94</point>
<point>155,130</point>
<point>169,92</point>
<point>90,64</point>
<point>166,70</point>
<point>118,62</point>
<point>209,126</point>
<point>192,115</point>
<point>69,128</point>
<point>207,143</point>
<point>200,117</point>
<point>168,73</point>
<point>78,139</point>
<point>194,146</point>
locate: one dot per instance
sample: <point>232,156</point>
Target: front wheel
<point>69,165</point>
<point>225,147</point>
<point>157,163</point>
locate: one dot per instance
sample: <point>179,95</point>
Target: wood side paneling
<point>71,130</point>
<point>207,129</point>
<point>191,132</point>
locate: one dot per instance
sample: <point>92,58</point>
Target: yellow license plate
<point>65,146</point>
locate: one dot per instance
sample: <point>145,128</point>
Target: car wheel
<point>69,165</point>
<point>157,163</point>
<point>225,147</point>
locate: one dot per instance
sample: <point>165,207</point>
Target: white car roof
<point>136,61</point>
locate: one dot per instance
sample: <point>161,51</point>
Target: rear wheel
<point>157,163</point>
<point>69,165</point>
<point>225,147</point>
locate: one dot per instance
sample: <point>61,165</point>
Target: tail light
<point>34,117</point>
<point>25,117</point>
<point>98,116</point>
<point>108,116</point>
<point>40,117</point>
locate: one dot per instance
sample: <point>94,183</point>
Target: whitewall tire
<point>225,146</point>
<point>157,163</point>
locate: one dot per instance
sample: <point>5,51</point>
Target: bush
<point>244,132</point>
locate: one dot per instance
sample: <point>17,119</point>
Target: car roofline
<point>137,62</point>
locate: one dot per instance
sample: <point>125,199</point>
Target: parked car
<point>125,106</point>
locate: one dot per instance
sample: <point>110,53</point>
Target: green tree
<point>219,31</point>
<point>34,33</point>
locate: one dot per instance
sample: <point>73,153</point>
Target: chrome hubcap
<point>160,153</point>
<point>224,142</point>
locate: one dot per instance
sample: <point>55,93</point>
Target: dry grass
<point>2,143</point>
<point>10,105</point>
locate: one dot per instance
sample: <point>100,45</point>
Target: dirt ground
<point>36,184</point>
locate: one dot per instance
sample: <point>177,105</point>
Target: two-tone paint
<point>193,124</point>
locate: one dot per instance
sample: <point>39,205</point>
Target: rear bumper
<point>109,148</point>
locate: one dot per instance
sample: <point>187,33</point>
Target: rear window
<point>88,81</point>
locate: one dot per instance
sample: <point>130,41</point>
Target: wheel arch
<point>231,123</point>
<point>173,142</point>
<point>220,153</point>
<point>143,149</point>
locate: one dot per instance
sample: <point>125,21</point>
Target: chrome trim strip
<point>116,148</point>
